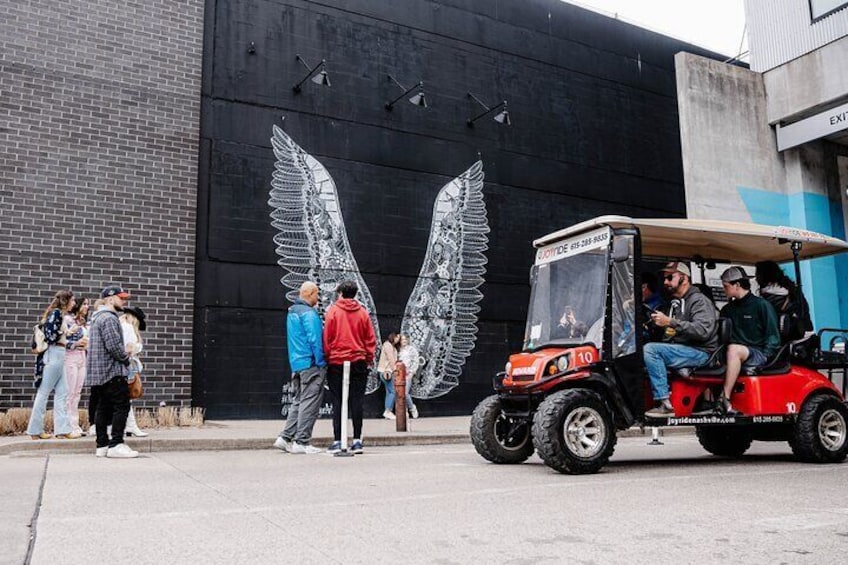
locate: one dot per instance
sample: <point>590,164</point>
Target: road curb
<point>154,444</point>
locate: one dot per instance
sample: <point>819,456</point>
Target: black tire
<point>499,438</point>
<point>591,441</point>
<point>821,430</point>
<point>725,441</point>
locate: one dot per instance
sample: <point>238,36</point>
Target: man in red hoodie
<point>348,336</point>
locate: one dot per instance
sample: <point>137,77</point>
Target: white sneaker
<point>283,445</point>
<point>121,451</point>
<point>101,451</point>
<point>413,412</point>
<point>389,415</point>
<point>300,448</point>
<point>92,431</point>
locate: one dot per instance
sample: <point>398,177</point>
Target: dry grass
<point>15,420</point>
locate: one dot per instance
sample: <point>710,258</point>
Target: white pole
<point>345,395</point>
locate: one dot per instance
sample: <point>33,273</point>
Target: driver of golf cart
<point>689,334</point>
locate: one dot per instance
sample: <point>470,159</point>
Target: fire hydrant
<point>400,397</point>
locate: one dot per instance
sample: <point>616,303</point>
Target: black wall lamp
<point>318,70</point>
<point>416,99</point>
<point>501,117</point>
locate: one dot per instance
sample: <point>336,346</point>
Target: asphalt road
<point>428,504</point>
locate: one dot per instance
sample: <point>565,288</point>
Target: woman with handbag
<point>132,324</point>
<point>53,376</point>
<point>76,328</point>
<point>386,369</point>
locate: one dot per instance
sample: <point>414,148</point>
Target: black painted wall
<point>595,131</point>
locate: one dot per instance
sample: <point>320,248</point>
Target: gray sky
<point>716,25</point>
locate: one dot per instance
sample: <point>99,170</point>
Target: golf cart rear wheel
<point>497,437</point>
<point>573,432</point>
<point>821,430</point>
<point>724,441</point>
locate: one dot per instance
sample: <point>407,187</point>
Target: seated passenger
<point>782,293</point>
<point>569,326</point>
<point>689,335</point>
<point>651,296</point>
<point>755,336</point>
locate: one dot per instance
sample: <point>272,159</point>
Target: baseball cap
<point>734,273</point>
<point>114,291</point>
<point>677,266</point>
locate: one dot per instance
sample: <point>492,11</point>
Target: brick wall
<point>99,127</point>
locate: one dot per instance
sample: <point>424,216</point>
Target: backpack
<point>39,342</point>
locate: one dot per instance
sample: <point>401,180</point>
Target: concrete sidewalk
<point>260,434</point>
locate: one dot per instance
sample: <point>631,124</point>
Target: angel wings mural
<point>440,317</point>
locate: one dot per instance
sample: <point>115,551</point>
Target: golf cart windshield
<point>569,288</point>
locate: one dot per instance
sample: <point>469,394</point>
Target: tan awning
<point>732,242</point>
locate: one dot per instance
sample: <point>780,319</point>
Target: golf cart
<point>580,376</point>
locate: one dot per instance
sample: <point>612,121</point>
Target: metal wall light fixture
<point>319,71</point>
<point>501,117</point>
<point>416,99</point>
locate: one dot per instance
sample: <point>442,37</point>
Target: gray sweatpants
<point>308,394</point>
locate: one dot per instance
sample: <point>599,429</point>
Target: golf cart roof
<point>720,241</point>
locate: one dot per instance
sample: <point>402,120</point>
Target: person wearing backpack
<point>53,375</point>
<point>782,293</point>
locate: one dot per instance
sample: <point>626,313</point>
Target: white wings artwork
<point>441,314</point>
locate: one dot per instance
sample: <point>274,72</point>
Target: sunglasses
<point>670,277</point>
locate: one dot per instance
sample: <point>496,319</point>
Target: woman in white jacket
<point>132,324</point>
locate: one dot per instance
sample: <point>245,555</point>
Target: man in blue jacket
<point>306,358</point>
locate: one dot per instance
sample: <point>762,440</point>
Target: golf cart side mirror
<point>620,249</point>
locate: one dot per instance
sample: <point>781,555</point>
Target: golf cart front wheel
<point>573,432</point>
<point>497,437</point>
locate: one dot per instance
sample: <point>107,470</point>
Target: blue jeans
<point>659,357</point>
<point>53,378</point>
<point>390,391</point>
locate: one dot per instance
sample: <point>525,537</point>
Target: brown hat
<point>677,267</point>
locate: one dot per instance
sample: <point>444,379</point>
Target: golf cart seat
<point>779,362</point>
<point>715,364</point>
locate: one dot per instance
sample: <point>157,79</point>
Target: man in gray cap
<point>689,335</point>
<point>755,336</point>
<point>106,372</point>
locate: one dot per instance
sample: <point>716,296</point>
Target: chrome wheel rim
<point>584,432</point>
<point>832,430</point>
<point>509,433</point>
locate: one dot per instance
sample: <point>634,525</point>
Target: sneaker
<point>389,415</point>
<point>304,448</point>
<point>662,410</point>
<point>335,447</point>
<point>101,451</point>
<point>282,444</point>
<point>709,408</point>
<point>413,411</point>
<point>92,431</point>
<point>356,447</point>
<point>121,451</point>
<point>725,408</point>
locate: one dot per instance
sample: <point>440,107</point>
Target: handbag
<point>135,387</point>
<point>39,342</point>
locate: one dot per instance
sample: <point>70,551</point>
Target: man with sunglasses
<point>689,334</point>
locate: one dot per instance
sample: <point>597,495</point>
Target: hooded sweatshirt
<point>348,333</point>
